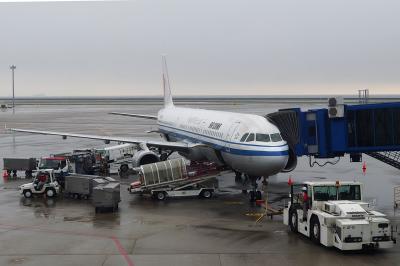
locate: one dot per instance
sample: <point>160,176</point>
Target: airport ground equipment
<point>336,216</point>
<point>12,165</point>
<point>106,196</point>
<point>197,187</point>
<point>172,178</point>
<point>60,164</point>
<point>79,186</point>
<point>341,129</point>
<point>50,187</point>
<point>123,158</point>
<point>82,161</point>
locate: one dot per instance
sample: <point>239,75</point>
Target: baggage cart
<point>106,197</point>
<point>79,186</point>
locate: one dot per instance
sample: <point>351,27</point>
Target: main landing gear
<point>238,176</point>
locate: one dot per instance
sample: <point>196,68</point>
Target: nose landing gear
<point>254,193</point>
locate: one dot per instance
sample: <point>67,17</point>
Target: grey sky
<point>213,47</point>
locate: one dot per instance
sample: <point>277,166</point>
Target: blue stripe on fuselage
<point>226,149</point>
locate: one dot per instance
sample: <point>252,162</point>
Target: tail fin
<point>167,88</point>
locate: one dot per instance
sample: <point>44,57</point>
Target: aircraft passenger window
<point>263,137</point>
<point>276,137</point>
<point>244,137</point>
<point>250,138</point>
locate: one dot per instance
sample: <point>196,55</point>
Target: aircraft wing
<point>153,117</point>
<point>176,146</point>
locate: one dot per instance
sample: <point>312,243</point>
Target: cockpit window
<point>250,138</point>
<point>276,137</point>
<point>263,137</point>
<point>244,137</point>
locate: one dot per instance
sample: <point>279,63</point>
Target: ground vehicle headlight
<point>380,238</point>
<point>351,239</point>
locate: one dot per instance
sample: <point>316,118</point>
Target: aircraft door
<point>232,135</point>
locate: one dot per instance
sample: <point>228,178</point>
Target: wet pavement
<point>219,231</point>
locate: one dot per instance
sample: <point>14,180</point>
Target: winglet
<point>167,88</point>
<point>6,129</point>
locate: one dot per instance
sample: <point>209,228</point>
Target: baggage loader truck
<point>171,179</point>
<point>333,214</point>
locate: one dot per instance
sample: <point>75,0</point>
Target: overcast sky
<point>213,47</point>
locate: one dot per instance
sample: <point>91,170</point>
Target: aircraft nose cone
<point>266,165</point>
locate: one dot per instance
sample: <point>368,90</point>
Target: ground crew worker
<point>305,203</point>
<point>42,178</point>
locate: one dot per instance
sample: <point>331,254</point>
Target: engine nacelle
<point>292,161</point>
<point>145,157</point>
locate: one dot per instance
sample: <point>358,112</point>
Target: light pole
<point>13,67</point>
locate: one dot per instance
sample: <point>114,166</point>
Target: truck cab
<point>334,214</point>
<point>59,164</point>
<point>44,183</point>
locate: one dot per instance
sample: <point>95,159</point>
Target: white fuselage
<point>262,152</point>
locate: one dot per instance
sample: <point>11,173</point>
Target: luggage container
<point>106,197</point>
<point>79,186</point>
<point>164,172</point>
<point>99,181</point>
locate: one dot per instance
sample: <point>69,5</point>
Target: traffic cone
<point>5,175</point>
<point>290,182</point>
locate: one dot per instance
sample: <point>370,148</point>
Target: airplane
<point>246,143</point>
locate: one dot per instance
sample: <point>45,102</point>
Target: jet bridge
<point>340,129</point>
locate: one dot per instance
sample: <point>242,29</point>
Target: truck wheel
<point>293,221</point>
<point>252,196</point>
<point>161,195</point>
<point>258,195</point>
<point>28,194</point>
<point>50,193</point>
<point>124,169</point>
<point>315,230</point>
<point>206,194</point>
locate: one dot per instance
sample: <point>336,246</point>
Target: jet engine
<point>292,161</point>
<point>145,157</point>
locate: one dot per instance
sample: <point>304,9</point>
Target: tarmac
<point>218,231</point>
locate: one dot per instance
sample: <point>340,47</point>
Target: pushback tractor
<point>333,214</point>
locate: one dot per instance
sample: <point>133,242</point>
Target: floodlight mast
<point>13,67</point>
